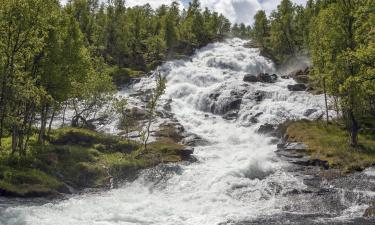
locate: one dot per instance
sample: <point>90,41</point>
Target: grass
<point>78,158</point>
<point>331,143</point>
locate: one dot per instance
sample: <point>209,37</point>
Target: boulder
<point>231,115</point>
<point>254,119</point>
<point>250,78</point>
<point>266,78</point>
<point>295,146</point>
<point>194,140</point>
<point>261,77</point>
<point>297,87</point>
<point>301,76</point>
<point>308,112</point>
<point>266,128</point>
<point>370,212</point>
<point>186,152</point>
<point>258,96</point>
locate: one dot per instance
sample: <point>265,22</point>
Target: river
<point>237,179</point>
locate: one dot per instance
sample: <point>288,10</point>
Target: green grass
<point>78,158</point>
<point>331,143</point>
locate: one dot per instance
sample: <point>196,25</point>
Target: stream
<point>238,178</point>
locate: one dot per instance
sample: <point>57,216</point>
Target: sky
<point>237,11</point>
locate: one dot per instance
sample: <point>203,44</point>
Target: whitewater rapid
<point>238,176</point>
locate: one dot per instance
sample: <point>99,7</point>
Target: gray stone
<point>250,78</point>
<point>297,87</point>
<point>309,112</point>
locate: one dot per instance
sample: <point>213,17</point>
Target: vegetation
<point>339,36</point>
<point>330,143</point>
<point>79,158</point>
<point>55,58</point>
<point>66,61</point>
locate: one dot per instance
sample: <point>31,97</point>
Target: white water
<point>238,176</point>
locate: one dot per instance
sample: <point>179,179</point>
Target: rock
<point>301,76</point>
<point>296,146</point>
<point>250,78</point>
<point>231,115</point>
<point>297,87</point>
<point>194,140</point>
<point>261,77</point>
<point>254,119</point>
<point>258,96</point>
<point>266,128</point>
<point>138,114</point>
<point>309,112</point>
<point>223,105</point>
<point>266,78</point>
<point>285,77</point>
<point>370,212</point>
<point>173,131</point>
<point>186,152</point>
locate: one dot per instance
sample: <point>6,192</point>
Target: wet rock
<point>167,105</point>
<point>138,113</point>
<point>309,112</point>
<point>194,140</point>
<point>173,131</point>
<point>285,77</point>
<point>186,152</point>
<point>266,128</point>
<point>214,96</point>
<point>370,212</point>
<point>296,146</point>
<point>261,77</point>
<point>266,78</point>
<point>254,119</point>
<point>257,96</point>
<point>301,76</point>
<point>297,87</point>
<point>250,78</point>
<point>231,115</point>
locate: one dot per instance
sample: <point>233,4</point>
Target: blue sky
<point>237,11</point>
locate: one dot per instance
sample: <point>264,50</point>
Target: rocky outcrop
<point>297,87</point>
<point>261,77</point>
<point>370,211</point>
<point>229,103</point>
<point>250,78</point>
<point>266,129</point>
<point>296,153</point>
<point>301,76</point>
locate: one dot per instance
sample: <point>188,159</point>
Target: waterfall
<point>237,178</point>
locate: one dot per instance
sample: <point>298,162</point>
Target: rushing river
<point>238,178</point>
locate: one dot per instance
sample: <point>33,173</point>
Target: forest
<point>339,37</point>
<point>54,57</point>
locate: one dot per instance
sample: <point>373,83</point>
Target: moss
<point>331,143</point>
<point>80,158</point>
<point>89,138</point>
<point>122,76</point>
<point>27,182</point>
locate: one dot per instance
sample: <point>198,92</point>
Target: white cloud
<point>237,11</point>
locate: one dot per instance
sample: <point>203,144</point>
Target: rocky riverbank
<point>75,160</point>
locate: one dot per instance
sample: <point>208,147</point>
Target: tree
<point>282,40</point>
<point>152,105</point>
<point>260,32</point>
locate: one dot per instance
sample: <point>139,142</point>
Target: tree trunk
<point>354,128</point>
<point>325,99</point>
<point>50,122</point>
<point>43,124</point>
